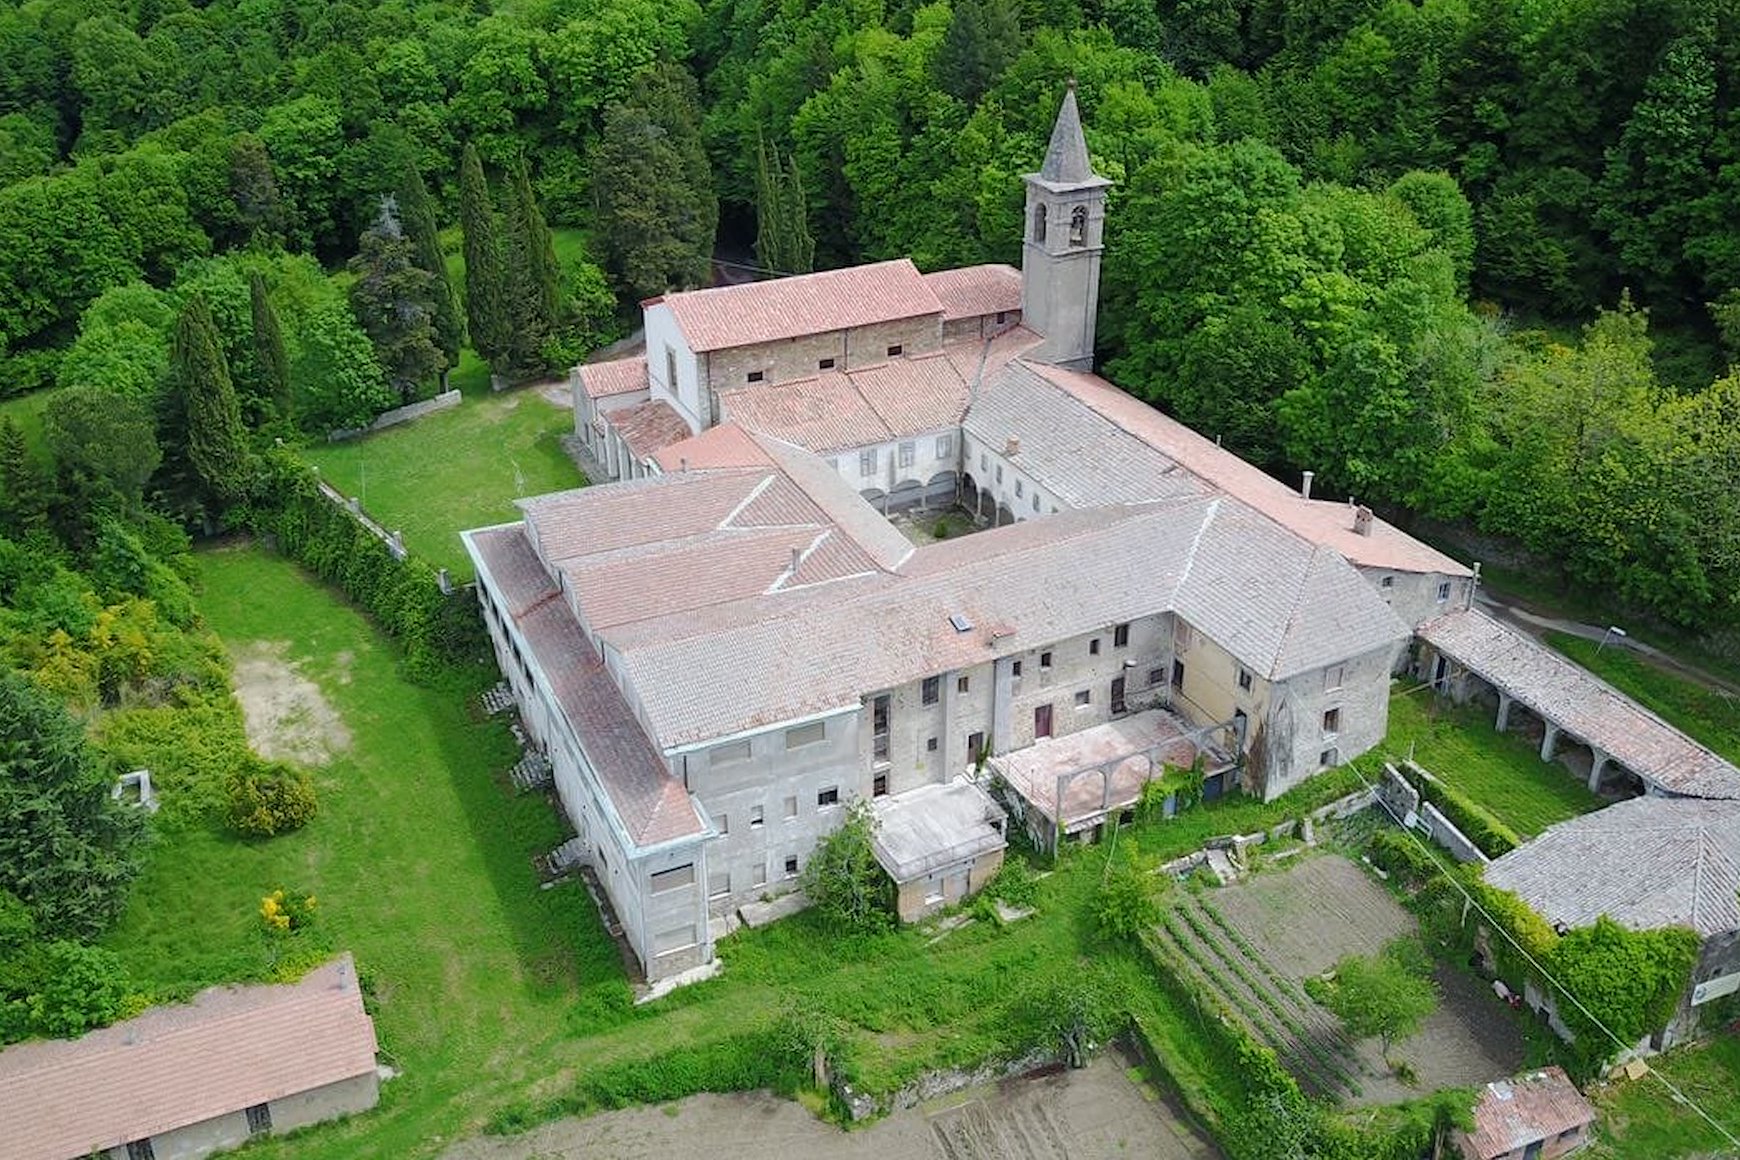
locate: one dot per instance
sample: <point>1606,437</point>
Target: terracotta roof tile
<point>623,376</point>
<point>229,1049</point>
<point>839,410</point>
<point>755,312</point>
<point>723,446</point>
<point>975,291</point>
<point>1514,1113</point>
<point>647,427</point>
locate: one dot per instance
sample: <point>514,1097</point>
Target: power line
<point>1678,1095</point>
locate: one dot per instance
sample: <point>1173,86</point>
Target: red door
<point>1042,722</point>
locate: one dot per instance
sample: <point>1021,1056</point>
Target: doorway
<point>1042,722</point>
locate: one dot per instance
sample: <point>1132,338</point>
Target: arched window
<point>1039,222</point>
<point>1078,226</point>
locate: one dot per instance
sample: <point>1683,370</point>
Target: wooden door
<point>1042,722</point>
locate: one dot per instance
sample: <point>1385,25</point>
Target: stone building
<point>1538,1116</point>
<point>180,1082</point>
<point>728,644</point>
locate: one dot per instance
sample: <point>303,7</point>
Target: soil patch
<point>287,716</point>
<point>1097,1113</point>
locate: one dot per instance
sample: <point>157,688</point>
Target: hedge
<point>1493,837</point>
<point>403,596</point>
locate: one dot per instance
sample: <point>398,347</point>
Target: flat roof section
<point>925,829</point>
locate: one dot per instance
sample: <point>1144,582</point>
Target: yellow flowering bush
<point>287,911</point>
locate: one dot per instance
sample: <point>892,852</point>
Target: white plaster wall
<point>663,334</point>
<point>985,463</point>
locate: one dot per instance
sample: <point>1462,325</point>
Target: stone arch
<point>969,493</point>
<point>1078,223</point>
<point>1039,222</point>
<point>908,493</point>
<point>1004,515</point>
<point>940,489</point>
<point>874,496</point>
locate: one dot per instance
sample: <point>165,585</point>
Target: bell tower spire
<point>1060,259</point>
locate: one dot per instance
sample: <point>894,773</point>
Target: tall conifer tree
<point>392,298</point>
<point>485,297</point>
<point>217,444</point>
<point>271,364</point>
<point>23,482</point>
<point>533,295</point>
<point>782,238</point>
<point>417,216</point>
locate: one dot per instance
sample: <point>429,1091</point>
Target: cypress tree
<point>271,364</point>
<point>782,241</point>
<point>417,215</point>
<point>23,483</point>
<point>485,305</point>
<point>533,294</point>
<point>392,298</point>
<point>217,445</point>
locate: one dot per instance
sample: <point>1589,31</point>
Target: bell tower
<point>1060,259</point>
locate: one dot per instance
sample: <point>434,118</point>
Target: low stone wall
<point>442,402</point>
<point>1444,832</point>
<point>932,1084</point>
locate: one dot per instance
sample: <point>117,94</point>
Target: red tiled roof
<point>622,376</point>
<point>647,427</point>
<point>726,445</point>
<point>837,410</point>
<point>975,291</point>
<point>755,312</point>
<point>652,805</point>
<point>229,1049</point>
<point>1514,1113</point>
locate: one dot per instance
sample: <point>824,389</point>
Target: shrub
<point>1398,854</point>
<point>1127,903</point>
<point>843,879</point>
<point>1015,883</point>
<point>81,988</point>
<point>1493,837</point>
<point>287,911</point>
<point>267,798</point>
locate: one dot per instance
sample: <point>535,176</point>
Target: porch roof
<point>922,830</point>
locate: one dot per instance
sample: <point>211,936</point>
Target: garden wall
<point>442,402</point>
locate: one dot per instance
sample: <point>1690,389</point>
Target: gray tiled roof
<point>1645,863</point>
<point>1590,709</point>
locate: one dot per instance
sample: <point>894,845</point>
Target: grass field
<point>1641,1121</point>
<point>1710,716</point>
<point>26,411</point>
<point>455,469</point>
<point>494,997</point>
<point>1502,772</point>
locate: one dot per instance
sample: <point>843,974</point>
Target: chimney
<point>1305,483</point>
<point>1012,448</point>
<point>1362,520</point>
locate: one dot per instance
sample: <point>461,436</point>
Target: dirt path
<point>286,715</point>
<point>1097,1113</point>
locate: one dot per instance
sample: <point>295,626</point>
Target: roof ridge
<point>754,494</point>
<point>1298,603</point>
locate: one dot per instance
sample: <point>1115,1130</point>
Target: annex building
<point>750,626</point>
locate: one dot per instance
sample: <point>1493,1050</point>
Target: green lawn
<point>456,469</point>
<point>1641,1121</point>
<point>1501,771</point>
<point>1710,716</point>
<point>26,410</point>
<point>498,1000</point>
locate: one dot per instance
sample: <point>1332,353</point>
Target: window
<point>930,690</point>
<point>1443,592</point>
<point>1002,317</point>
<point>141,1150</point>
<point>756,376</point>
<point>975,745</point>
<point>1015,669</point>
<point>930,745</point>
<point>1078,226</point>
<point>791,868</point>
<point>677,877</point>
<point>999,473</point>
<point>758,875</point>
<point>908,453</point>
<point>791,806</point>
<point>1094,647</point>
<point>945,445</point>
<point>1084,697</point>
<point>1245,679</point>
<point>1178,673</point>
<point>1333,676</point>
<point>1332,721</point>
<point>719,884</point>
<point>1121,636</point>
<point>984,463</point>
<point>1020,488</point>
<point>879,787</point>
<point>1388,582</point>
<point>1039,222</point>
<point>894,350</point>
<point>671,369</point>
<point>724,828</point>
<point>1155,676</point>
<point>676,939</point>
<point>833,464</point>
<point>756,817</point>
<point>867,462</point>
<point>961,684</point>
<point>731,754</point>
<point>801,735</point>
<point>1044,661</point>
<point>826,364</point>
<point>828,797</point>
<point>1329,757</point>
<point>1035,501</point>
<point>259,1119</point>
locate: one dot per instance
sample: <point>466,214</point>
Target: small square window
<point>828,797</point>
<point>879,788</point>
<point>1094,647</point>
<point>791,867</point>
<point>930,690</point>
<point>1002,317</point>
<point>1332,721</point>
<point>1121,636</point>
<point>1245,679</point>
<point>961,684</point>
<point>1389,582</point>
<point>791,806</point>
<point>1443,591</point>
<point>755,817</point>
<point>1328,758</point>
<point>895,350</point>
<point>1084,697</point>
<point>930,745</point>
<point>757,376</point>
<point>826,364</point>
<point>1155,676</point>
<point>1015,669</point>
<point>1044,660</point>
<point>719,884</point>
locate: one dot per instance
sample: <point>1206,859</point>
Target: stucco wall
<point>933,453</point>
<point>684,394</point>
<point>1001,477</point>
<point>1414,595</point>
<point>980,326</point>
<point>798,358</point>
<point>945,887</point>
<point>346,1097</point>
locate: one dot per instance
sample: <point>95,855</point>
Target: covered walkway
<point>1573,705</point>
